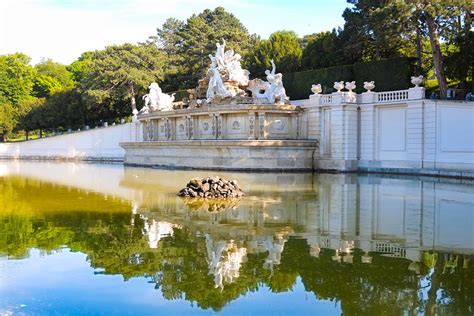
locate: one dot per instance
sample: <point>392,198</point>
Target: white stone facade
<point>395,131</point>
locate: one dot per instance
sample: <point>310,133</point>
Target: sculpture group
<point>156,100</point>
<point>226,82</point>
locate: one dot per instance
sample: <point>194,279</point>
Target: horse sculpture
<point>156,100</point>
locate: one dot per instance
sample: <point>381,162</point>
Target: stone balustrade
<point>390,96</point>
<point>335,98</point>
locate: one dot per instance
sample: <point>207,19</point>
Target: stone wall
<point>100,144</point>
<point>396,131</point>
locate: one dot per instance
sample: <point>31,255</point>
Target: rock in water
<point>211,187</point>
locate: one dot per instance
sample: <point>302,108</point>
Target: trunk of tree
<point>41,133</point>
<point>132,99</point>
<point>27,134</point>
<point>437,57</point>
<point>419,63</point>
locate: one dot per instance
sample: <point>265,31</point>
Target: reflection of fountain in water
<point>225,259</point>
<point>275,247</point>
<point>156,230</point>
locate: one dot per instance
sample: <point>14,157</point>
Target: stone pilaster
<point>262,129</point>
<point>251,121</point>
<point>367,131</point>
<point>220,133</point>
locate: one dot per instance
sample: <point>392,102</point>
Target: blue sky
<point>62,30</point>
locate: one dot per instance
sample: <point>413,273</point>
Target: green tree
<point>189,44</point>
<point>444,21</point>
<point>16,77</point>
<point>120,73</point>
<point>283,47</point>
<point>7,119</point>
<point>81,68</point>
<point>321,51</point>
<point>25,114</point>
<point>373,29</point>
<point>51,77</point>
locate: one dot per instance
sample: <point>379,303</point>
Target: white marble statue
<point>256,86</point>
<point>156,100</point>
<point>216,85</point>
<point>225,67</point>
<point>220,53</point>
<point>369,85</point>
<point>316,88</point>
<point>339,85</point>
<point>279,92</point>
<point>276,92</point>
<point>416,81</point>
<point>236,73</point>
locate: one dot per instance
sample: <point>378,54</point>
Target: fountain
<point>228,122</point>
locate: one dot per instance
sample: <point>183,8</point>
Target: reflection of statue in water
<point>275,248</point>
<point>156,230</point>
<point>156,100</point>
<point>224,259</point>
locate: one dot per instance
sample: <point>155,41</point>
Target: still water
<point>107,239</point>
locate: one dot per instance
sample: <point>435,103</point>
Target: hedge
<point>388,74</point>
<point>180,95</point>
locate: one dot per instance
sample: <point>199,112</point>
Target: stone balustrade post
<point>314,100</point>
<point>369,97</point>
<point>416,93</point>
<point>337,98</point>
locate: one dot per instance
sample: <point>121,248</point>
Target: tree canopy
<point>103,85</point>
<point>119,74</point>
<point>283,47</point>
<point>188,44</point>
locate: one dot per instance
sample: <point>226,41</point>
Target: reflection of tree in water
<point>179,261</point>
<point>180,266</point>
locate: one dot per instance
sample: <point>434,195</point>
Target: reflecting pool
<point>108,239</point>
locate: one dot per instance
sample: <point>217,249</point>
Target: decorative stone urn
<point>316,88</point>
<point>369,85</point>
<point>350,85</point>
<point>339,85</point>
<point>416,81</point>
<point>350,96</point>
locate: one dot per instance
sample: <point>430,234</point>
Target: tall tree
<point>373,29</point>
<point>323,50</point>
<point>189,43</point>
<point>80,69</point>
<point>283,47</point>
<point>7,120</point>
<point>16,77</point>
<point>121,72</point>
<point>443,22</point>
<point>51,77</point>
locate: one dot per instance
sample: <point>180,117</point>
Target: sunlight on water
<point>90,238</point>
